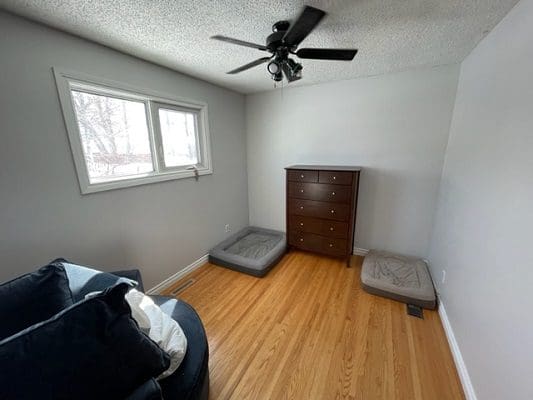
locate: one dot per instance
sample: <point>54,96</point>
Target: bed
<point>252,250</point>
<point>401,278</point>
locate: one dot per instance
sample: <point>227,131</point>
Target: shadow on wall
<point>387,216</point>
<point>31,256</point>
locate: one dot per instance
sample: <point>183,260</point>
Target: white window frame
<point>66,81</point>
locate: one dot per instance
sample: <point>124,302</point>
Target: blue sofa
<point>191,379</point>
<point>189,382</point>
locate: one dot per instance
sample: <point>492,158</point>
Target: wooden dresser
<point>321,208</point>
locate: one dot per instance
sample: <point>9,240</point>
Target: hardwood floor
<point>308,331</point>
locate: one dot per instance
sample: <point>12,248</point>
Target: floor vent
<point>415,311</point>
<point>183,286</point>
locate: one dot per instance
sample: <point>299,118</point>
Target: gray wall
<point>160,227</point>
<point>395,126</point>
<point>484,221</point>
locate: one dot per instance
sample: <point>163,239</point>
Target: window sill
<point>87,188</point>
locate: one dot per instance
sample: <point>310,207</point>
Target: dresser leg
<point>348,261</point>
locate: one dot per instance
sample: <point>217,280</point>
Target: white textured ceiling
<point>392,35</point>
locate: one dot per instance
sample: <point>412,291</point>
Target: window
<point>122,137</point>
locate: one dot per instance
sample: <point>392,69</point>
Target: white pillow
<point>160,327</point>
<point>134,299</point>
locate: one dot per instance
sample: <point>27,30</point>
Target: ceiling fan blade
<point>239,42</point>
<point>328,54</point>
<point>306,22</point>
<point>249,65</point>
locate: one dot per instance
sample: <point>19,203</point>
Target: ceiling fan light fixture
<point>277,77</point>
<point>297,75</point>
<point>295,68</point>
<point>274,67</point>
<point>292,70</point>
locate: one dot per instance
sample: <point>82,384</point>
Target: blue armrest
<point>134,275</point>
<point>83,280</point>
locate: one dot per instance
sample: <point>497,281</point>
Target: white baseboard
<point>457,356</point>
<point>201,261</point>
<point>178,275</point>
<point>360,252</point>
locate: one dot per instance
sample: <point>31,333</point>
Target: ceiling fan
<point>284,42</point>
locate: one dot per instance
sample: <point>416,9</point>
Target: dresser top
<point>325,167</point>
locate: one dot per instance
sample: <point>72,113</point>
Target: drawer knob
<point>302,176</point>
<point>333,193</point>
<point>301,190</point>
<point>301,207</point>
<point>331,245</point>
<point>301,239</point>
<point>301,224</point>
<point>334,177</point>
<point>333,211</point>
<point>331,229</point>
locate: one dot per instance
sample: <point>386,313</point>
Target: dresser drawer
<point>320,192</point>
<point>301,175</point>
<point>335,177</point>
<point>335,229</point>
<point>319,209</point>
<point>335,247</point>
<point>298,223</point>
<point>312,242</point>
<point>305,241</point>
<point>322,227</point>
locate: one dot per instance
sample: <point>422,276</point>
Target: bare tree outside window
<point>178,132</point>
<point>114,136</point>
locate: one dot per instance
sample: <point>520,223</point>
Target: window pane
<point>114,136</point>
<point>178,131</point>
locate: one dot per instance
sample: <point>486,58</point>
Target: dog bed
<point>252,250</point>
<point>401,278</point>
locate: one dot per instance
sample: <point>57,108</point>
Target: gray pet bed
<point>401,278</point>
<point>252,250</point>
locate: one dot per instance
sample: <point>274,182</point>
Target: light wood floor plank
<point>308,331</point>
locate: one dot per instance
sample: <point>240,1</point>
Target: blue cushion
<point>84,280</point>
<point>91,350</point>
<point>132,274</point>
<point>191,379</point>
<point>32,298</point>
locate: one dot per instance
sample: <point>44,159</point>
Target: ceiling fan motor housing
<point>281,26</point>
<point>274,41</point>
